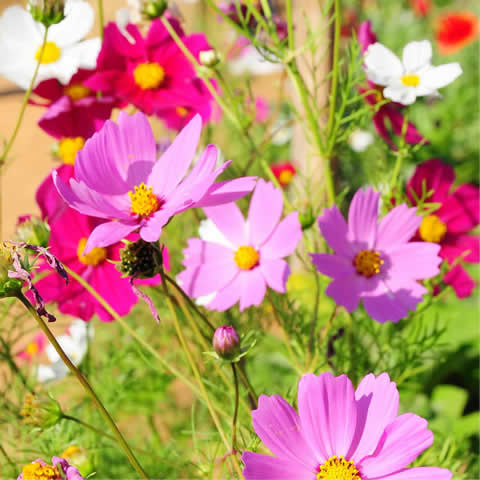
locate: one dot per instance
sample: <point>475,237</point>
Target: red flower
<point>284,172</point>
<point>456,30</point>
<point>421,7</point>
<point>448,226</point>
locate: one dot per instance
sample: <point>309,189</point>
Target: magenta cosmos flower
<point>340,433</point>
<point>60,469</point>
<point>244,257</point>
<point>152,73</point>
<point>117,177</point>
<point>374,261</point>
<point>458,214</point>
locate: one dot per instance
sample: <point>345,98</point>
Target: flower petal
<point>460,280</point>
<point>416,55</point>
<point>461,210</point>
<point>438,77</point>
<point>253,288</point>
<point>228,191</point>
<point>420,473</point>
<point>335,230</point>
<point>363,217</point>
<point>284,239</point>
<point>227,296</point>
<point>347,291</point>
<point>414,260</point>
<point>276,273</point>
<point>264,467</point>
<point>108,233</point>
<point>381,64</point>
<point>401,94</point>
<point>229,220</point>
<point>334,266</point>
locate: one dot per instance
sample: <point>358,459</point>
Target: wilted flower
<point>39,470</point>
<point>64,53</point>
<point>456,30</point>
<point>226,342</point>
<point>118,177</point>
<point>41,410</point>
<point>413,76</point>
<point>31,229</point>
<point>374,261</point>
<point>339,433</point>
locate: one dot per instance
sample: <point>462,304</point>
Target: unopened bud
<point>209,58</point>
<point>226,342</point>
<point>41,411</point>
<point>307,218</point>
<point>32,230</point>
<point>47,12</point>
<point>140,259</point>
<point>154,8</point>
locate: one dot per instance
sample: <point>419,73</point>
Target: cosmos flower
<point>21,40</point>
<point>249,255</point>
<point>413,76</point>
<point>455,30</point>
<point>152,73</point>
<point>34,348</point>
<point>59,469</point>
<point>284,172</point>
<point>421,8</point>
<point>339,433</point>
<point>118,178</point>
<point>359,140</point>
<point>449,226</point>
<point>374,261</point>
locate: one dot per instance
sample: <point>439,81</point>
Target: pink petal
<point>412,135</point>
<point>403,441</point>
<point>421,473</point>
<point>363,217</point>
<point>333,266</point>
<point>200,252</point>
<point>346,291</point>
<point>265,211</point>
<point>278,426</point>
<point>390,307</point>
<point>465,246</point>
<point>377,406</point>
<point>227,296</point>
<point>414,260</point>
<point>284,239</point>
<point>276,273</point>
<point>334,229</point>
<point>229,220</point>
<point>328,414</point>
<point>47,197</point>
<point>264,467</point>
<point>461,210</point>
<point>461,281</point>
<point>228,191</point>
<point>253,289</point>
<point>397,227</point>
<point>107,234</point>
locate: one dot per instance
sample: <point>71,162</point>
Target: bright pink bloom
<point>69,234</point>
<point>73,110</point>
<point>459,213</point>
<point>374,261</point>
<point>118,177</point>
<point>262,110</point>
<point>152,73</point>
<point>390,113</point>
<point>34,348</point>
<point>64,470</point>
<point>341,432</point>
<point>246,256</point>
<point>284,172</point>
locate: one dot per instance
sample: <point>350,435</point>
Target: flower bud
<point>209,58</point>
<point>47,12</point>
<point>140,259</point>
<point>306,218</point>
<point>226,342</point>
<point>41,411</point>
<point>32,230</point>
<point>154,8</point>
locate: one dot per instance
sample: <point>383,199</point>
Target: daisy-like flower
<point>284,172</point>
<point>60,469</point>
<point>456,30</point>
<point>340,433</point>
<point>247,256</point>
<point>413,76</point>
<point>374,261</point>
<point>21,40</point>
<point>34,348</point>
<point>450,224</point>
<point>117,177</point>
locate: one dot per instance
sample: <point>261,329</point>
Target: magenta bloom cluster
<point>69,472</point>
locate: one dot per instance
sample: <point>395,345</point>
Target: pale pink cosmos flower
<point>248,255</point>
<point>340,432</point>
<point>374,261</point>
<point>118,177</point>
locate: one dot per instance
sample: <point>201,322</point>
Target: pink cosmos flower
<point>152,73</point>
<point>34,348</point>
<point>245,257</point>
<point>390,113</point>
<point>341,433</point>
<point>68,237</point>
<point>59,469</point>
<point>117,177</point>
<point>458,214</point>
<point>374,261</point>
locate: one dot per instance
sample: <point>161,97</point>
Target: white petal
<point>45,373</point>
<point>417,55</point>
<point>74,27</point>
<point>85,52</point>
<point>252,62</point>
<point>209,232</point>
<point>400,94</point>
<point>438,77</point>
<point>381,64</point>
<point>18,27</point>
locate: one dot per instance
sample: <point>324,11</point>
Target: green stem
<point>235,410</point>
<point>9,460</point>
<point>83,381</point>
<point>252,396</point>
<point>25,102</point>
<point>101,18</point>
<point>291,39</point>
<point>90,427</point>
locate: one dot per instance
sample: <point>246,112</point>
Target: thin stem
<point>235,411</point>
<point>101,18</point>
<point>83,381</point>
<point>315,314</point>
<point>401,154</point>
<point>291,39</point>
<point>25,102</point>
<point>90,427</point>
<point>252,396</point>
<point>9,460</point>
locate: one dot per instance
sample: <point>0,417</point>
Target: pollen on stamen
<point>337,468</point>
<point>143,201</point>
<point>246,257</point>
<point>368,263</point>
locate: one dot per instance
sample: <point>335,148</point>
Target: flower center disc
<point>31,349</point>
<point>36,471</point>
<point>51,53</point>
<point>432,229</point>
<point>143,201</point>
<point>69,147</point>
<point>285,177</point>
<point>77,92</point>
<point>410,80</point>
<point>337,468</point>
<point>246,257</point>
<point>181,111</point>
<point>148,75</point>
<point>95,256</point>
<point>367,263</point>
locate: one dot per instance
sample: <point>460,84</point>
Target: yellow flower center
<point>148,75</point>
<point>71,451</point>
<point>367,263</point>
<point>182,111</point>
<point>285,177</point>
<point>51,53</point>
<point>95,256</point>
<point>432,229</point>
<point>410,80</point>
<point>68,148</point>
<point>31,349</point>
<point>77,92</point>
<point>337,468</point>
<point>246,257</point>
<point>143,201</point>
<point>37,471</point>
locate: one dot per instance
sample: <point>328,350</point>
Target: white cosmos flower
<point>413,76</point>
<point>250,61</point>
<point>21,40</point>
<point>360,140</point>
